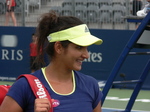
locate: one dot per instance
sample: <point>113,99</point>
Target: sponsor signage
<point>15,60</point>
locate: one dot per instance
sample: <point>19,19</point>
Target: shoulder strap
<point>38,88</point>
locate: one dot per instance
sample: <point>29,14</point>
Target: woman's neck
<point>58,73</point>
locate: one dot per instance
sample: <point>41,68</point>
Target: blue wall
<point>14,59</point>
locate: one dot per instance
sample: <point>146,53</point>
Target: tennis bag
<point>37,87</point>
<point>3,90</point>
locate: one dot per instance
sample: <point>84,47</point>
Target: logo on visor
<point>86,29</point>
<point>49,38</point>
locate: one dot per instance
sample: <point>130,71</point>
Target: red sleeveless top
<point>13,3</point>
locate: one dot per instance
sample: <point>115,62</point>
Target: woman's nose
<point>85,53</point>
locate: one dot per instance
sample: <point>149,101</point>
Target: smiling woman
<point>65,40</point>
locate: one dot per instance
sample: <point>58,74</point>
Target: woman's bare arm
<point>10,105</point>
<point>98,108</point>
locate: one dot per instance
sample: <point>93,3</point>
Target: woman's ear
<point>58,47</point>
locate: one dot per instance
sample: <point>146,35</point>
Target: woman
<point>65,40</point>
<point>10,12</point>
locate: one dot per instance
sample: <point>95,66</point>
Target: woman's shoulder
<point>22,87</point>
<point>23,81</point>
<point>38,73</point>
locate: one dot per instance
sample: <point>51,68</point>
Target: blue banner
<point>14,51</point>
<point>14,55</point>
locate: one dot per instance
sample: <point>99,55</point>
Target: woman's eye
<point>79,47</point>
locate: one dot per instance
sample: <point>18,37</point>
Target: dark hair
<point>50,23</point>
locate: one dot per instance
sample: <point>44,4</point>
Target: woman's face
<point>34,38</point>
<point>74,55</point>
